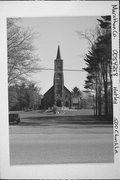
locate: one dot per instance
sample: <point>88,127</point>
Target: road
<point>52,143</point>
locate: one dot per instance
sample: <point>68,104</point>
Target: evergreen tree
<point>99,65</point>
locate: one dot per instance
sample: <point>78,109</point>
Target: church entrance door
<point>58,103</point>
<point>67,104</point>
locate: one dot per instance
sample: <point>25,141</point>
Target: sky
<point>54,31</point>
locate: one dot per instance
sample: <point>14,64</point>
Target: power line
<point>50,69</point>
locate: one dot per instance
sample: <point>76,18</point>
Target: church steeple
<point>58,80</point>
<point>58,53</point>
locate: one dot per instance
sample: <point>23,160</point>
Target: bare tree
<point>91,59</point>
<point>21,58</point>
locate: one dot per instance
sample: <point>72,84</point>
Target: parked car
<point>14,118</point>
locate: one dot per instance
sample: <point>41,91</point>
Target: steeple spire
<point>58,53</point>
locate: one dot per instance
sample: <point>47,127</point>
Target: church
<point>58,94</point>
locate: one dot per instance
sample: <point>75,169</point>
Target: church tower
<point>58,94</point>
<point>58,80</point>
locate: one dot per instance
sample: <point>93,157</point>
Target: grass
<point>83,116</point>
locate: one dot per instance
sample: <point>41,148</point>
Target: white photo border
<point>45,9</point>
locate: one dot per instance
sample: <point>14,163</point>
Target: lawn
<point>82,116</point>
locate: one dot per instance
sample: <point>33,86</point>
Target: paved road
<point>61,143</point>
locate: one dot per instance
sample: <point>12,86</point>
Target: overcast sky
<point>61,30</point>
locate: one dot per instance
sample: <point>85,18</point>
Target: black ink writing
<point>115,20</point>
<point>116,135</point>
<point>115,62</point>
<point>116,95</point>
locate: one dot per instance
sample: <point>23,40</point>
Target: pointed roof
<point>58,53</point>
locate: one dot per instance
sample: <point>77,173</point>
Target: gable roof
<point>67,90</point>
<point>48,91</point>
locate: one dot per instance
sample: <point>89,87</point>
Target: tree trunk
<point>99,102</point>
<point>96,113</point>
